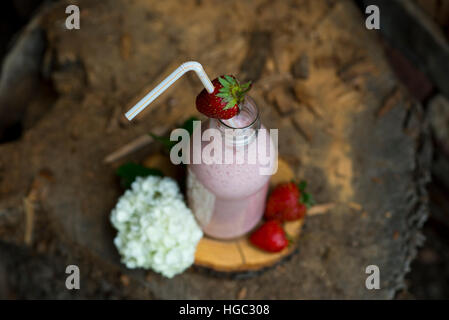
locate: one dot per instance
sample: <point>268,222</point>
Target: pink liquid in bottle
<point>227,194</point>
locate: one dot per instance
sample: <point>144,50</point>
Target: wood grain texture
<point>333,139</point>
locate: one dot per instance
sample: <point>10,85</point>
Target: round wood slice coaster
<point>240,255</point>
<point>237,255</point>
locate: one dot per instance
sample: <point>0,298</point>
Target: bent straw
<point>167,82</point>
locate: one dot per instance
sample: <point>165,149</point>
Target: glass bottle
<point>227,190</point>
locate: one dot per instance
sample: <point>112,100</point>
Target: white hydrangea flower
<point>155,227</point>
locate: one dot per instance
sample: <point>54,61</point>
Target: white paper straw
<point>167,82</point>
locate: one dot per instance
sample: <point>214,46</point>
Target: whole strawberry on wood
<point>270,237</point>
<point>288,202</point>
<point>224,102</point>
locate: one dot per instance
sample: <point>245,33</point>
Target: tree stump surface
<point>345,125</point>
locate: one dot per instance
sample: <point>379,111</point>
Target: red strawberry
<point>223,103</point>
<point>288,202</point>
<point>295,213</point>
<point>284,197</point>
<point>269,237</point>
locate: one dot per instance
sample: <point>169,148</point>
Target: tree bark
<point>372,164</point>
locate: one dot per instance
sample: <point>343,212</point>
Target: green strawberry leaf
<point>222,95</point>
<point>305,198</point>
<point>232,90</point>
<point>245,87</point>
<point>224,82</point>
<point>302,185</point>
<point>290,239</point>
<point>230,79</point>
<point>129,171</point>
<point>230,105</point>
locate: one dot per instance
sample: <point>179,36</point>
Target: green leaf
<point>224,82</point>
<point>230,105</point>
<point>188,124</point>
<point>129,171</point>
<point>290,239</point>
<point>307,199</point>
<point>240,95</point>
<point>302,185</point>
<point>223,91</point>
<point>230,79</point>
<point>245,87</point>
<point>164,140</point>
<point>168,144</point>
<point>222,95</point>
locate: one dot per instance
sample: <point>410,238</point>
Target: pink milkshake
<point>227,191</point>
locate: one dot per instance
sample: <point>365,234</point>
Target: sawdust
<point>328,94</point>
